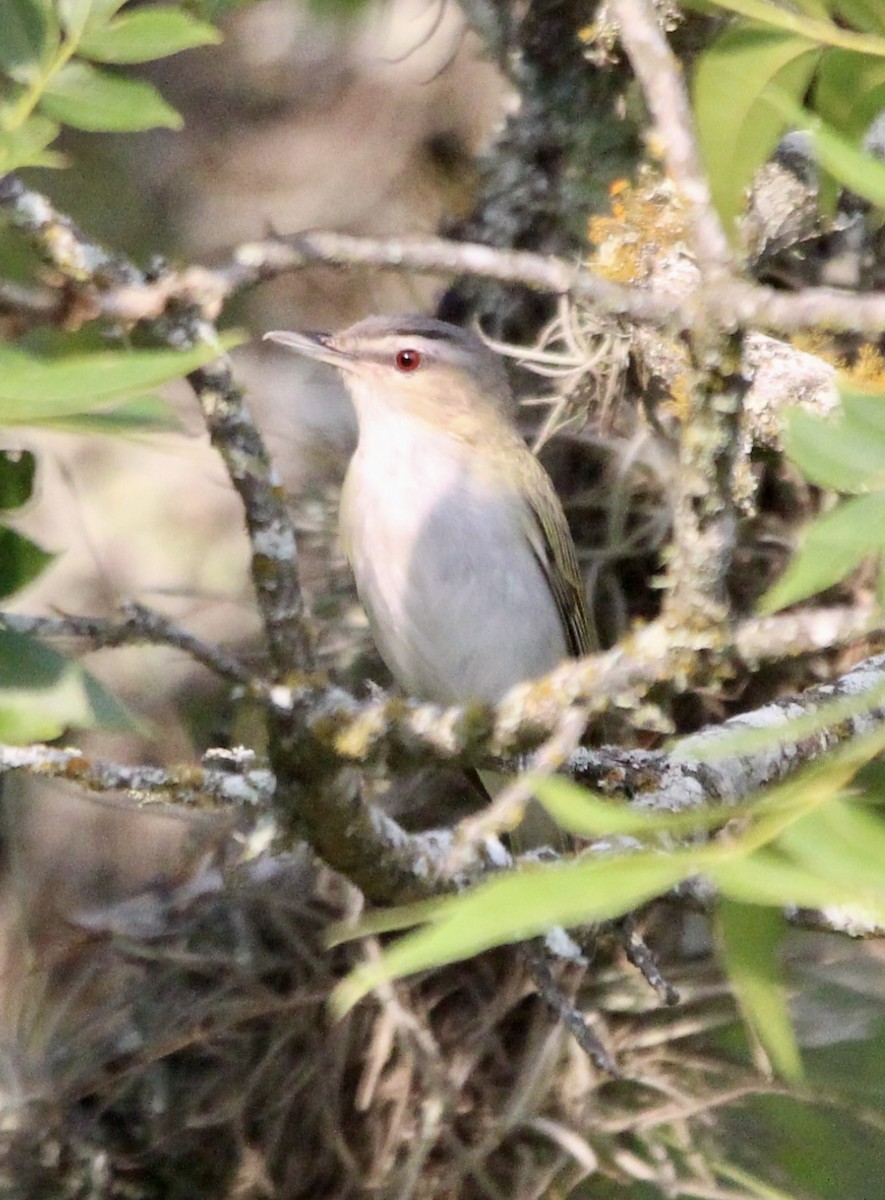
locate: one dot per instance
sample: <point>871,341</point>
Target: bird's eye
<point>407,360</point>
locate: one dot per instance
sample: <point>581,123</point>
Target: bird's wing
<point>551,541</point>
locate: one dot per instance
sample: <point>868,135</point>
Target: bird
<point>458,543</point>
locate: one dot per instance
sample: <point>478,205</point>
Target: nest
<point>181,1046</point>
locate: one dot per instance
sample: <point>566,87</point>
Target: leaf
<point>848,91</point>
<point>862,173</point>
<point>847,455</point>
<point>17,470</point>
<point>866,15</point>
<point>25,146</point>
<point>775,881</point>
<point>86,98</point>
<point>42,694</point>
<point>737,128</point>
<point>842,842</point>
<point>831,547</point>
<point>73,15</point>
<point>587,815</point>
<point>750,940</point>
<point>21,561</point>
<point>36,390</point>
<point>517,906</point>
<point>28,37</point>
<point>824,33</point>
<point>142,414</point>
<point>149,34</point>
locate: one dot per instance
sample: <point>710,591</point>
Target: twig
<point>575,1021</point>
<point>639,954</point>
<point>704,515</point>
<point>272,538</point>
<point>248,787</point>
<point>138,625</point>
<point>662,79</point>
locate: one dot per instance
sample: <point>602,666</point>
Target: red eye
<point>408,360</point>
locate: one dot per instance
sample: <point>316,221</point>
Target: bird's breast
<point>457,602</point>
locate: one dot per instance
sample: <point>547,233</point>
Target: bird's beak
<point>318,346</point>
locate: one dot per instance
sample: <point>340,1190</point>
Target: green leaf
<point>21,561</point>
<point>142,414</point>
<point>775,881</point>
<point>35,390</point>
<point>26,145</point>
<point>82,96</point>
<point>146,35</point>
<point>848,91</point>
<point>848,455</point>
<point>737,128</point>
<point>587,815</point>
<point>831,547</point>
<point>862,173</point>
<point>28,38</point>
<point>841,842</point>
<point>42,694</point>
<point>866,15</point>
<point>517,906</point>
<point>750,939</point>
<point>824,33</point>
<point>17,470</point>
<point>73,15</point>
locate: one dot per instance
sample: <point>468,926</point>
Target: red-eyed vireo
<point>461,552</point>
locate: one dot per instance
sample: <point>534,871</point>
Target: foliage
<point>751,83</point>
<point>48,73</point>
<point>804,842</point>
<point>41,691</point>
<point>847,456</point>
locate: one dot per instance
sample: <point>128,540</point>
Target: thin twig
<point>662,79</point>
<point>186,322</point>
<point>139,624</point>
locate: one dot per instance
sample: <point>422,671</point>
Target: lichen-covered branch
<point>182,322</point>
<point>137,625</point>
<point>249,785</point>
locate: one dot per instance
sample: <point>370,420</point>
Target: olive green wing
<point>550,538</point>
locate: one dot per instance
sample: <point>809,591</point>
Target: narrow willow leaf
<point>847,455</point>
<point>17,471</point>
<point>776,881</point>
<point>741,740</point>
<point>825,33</point>
<point>142,414</point>
<point>848,91</point>
<point>862,173</point>
<point>750,939</point>
<point>146,35</point>
<point>21,561</point>
<point>517,906</point>
<point>737,129</point>
<point>35,390</point>
<point>42,694</point>
<point>587,815</point>
<point>831,547</point>
<point>841,842</point>
<point>86,98</point>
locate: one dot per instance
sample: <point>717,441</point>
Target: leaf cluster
<point>818,66</point>
<point>59,65</point>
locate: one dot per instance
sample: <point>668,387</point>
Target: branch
<point>662,79</point>
<point>138,625</point>
<point>249,786</point>
<point>274,559</point>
